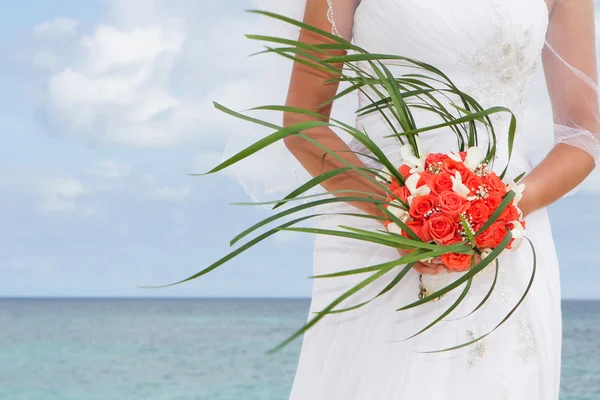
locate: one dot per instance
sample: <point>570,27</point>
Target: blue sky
<point>106,109</point>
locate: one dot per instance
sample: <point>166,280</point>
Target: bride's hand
<point>435,266</point>
<point>428,268</point>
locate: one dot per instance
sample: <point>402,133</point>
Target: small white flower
<point>518,189</point>
<point>460,188</point>
<point>485,253</point>
<point>474,157</point>
<point>411,184</point>
<point>518,233</point>
<point>383,176</point>
<point>455,156</point>
<point>395,207</point>
<point>409,158</point>
<point>393,228</point>
<point>520,213</point>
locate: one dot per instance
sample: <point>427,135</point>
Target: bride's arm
<point>307,90</point>
<point>569,61</point>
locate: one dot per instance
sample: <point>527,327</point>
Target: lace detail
<point>501,69</point>
<point>496,70</point>
<point>506,392</point>
<point>526,338</point>
<point>479,350</point>
<point>579,138</point>
<point>505,294</point>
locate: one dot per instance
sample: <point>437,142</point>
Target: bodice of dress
<point>488,48</point>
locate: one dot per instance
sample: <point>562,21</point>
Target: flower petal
<point>474,157</point>
<point>393,228</point>
<point>411,183</point>
<point>398,211</point>
<point>458,187</point>
<point>454,156</point>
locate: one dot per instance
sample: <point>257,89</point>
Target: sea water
<point>175,349</point>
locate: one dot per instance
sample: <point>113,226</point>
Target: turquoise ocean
<point>189,349</point>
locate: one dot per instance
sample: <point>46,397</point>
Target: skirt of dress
<point>364,354</point>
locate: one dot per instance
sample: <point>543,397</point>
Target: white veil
<point>570,65</point>
<point>566,88</point>
<point>274,172</point>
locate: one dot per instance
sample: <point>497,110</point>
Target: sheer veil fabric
<point>492,49</point>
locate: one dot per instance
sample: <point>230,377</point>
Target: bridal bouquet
<point>447,207</point>
<point>448,199</point>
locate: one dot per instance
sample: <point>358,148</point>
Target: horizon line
<point>590,299</point>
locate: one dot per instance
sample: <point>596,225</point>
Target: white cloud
<point>57,27</point>
<point>111,169</point>
<point>173,193</point>
<point>45,59</point>
<point>118,93</point>
<point>61,194</point>
<point>148,79</point>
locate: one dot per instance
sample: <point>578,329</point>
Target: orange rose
<point>451,166</point>
<point>456,262</point>
<point>421,205</point>
<point>472,181</point>
<point>510,214</point>
<point>485,239</point>
<point>440,182</point>
<point>452,204</point>
<point>434,158</point>
<point>495,184</point>
<point>424,179</point>
<point>479,212</point>
<point>402,192</point>
<point>394,185</point>
<point>499,232</point>
<point>493,201</point>
<point>417,228</point>
<point>442,228</point>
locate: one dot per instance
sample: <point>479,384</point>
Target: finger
<point>425,270</point>
<point>430,265</point>
<point>420,268</point>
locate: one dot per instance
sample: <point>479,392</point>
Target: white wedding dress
<point>490,49</point>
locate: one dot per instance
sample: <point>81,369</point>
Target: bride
<point>490,49</point>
